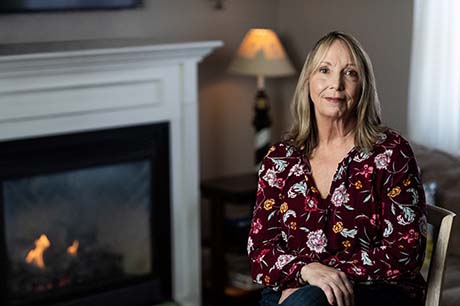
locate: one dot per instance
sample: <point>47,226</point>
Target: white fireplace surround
<point>61,88</point>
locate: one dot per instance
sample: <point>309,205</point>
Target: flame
<point>35,256</point>
<point>72,250</point>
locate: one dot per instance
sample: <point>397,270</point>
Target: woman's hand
<point>285,293</point>
<point>333,282</point>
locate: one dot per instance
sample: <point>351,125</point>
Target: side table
<point>238,189</point>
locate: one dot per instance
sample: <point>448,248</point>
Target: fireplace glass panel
<point>78,227</point>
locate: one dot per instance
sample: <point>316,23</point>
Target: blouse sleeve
<point>272,264</point>
<point>401,250</point>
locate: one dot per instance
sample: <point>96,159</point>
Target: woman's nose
<point>336,81</point>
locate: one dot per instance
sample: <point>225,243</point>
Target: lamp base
<point>261,123</point>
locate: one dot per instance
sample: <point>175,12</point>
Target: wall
<point>225,101</point>
<point>384,29</point>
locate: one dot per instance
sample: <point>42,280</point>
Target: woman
<point>340,211</point>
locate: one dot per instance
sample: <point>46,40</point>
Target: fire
<point>72,250</point>
<point>35,256</point>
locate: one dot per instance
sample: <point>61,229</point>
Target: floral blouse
<point>372,225</point>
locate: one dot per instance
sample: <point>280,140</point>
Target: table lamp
<point>261,54</point>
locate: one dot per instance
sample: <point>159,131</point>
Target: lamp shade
<point>261,54</point>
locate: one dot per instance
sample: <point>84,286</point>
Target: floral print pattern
<point>311,203</point>
<point>272,180</point>
<point>317,241</point>
<point>283,260</point>
<point>383,159</point>
<point>340,196</point>
<point>372,226</point>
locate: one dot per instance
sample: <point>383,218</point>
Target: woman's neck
<point>335,132</point>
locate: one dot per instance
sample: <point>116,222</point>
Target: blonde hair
<point>303,133</point>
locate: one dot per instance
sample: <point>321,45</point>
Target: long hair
<point>303,133</point>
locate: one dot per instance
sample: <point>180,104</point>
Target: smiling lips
<point>335,100</point>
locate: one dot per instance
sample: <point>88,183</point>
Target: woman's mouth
<point>335,100</point>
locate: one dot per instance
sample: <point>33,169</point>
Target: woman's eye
<point>323,70</point>
<point>351,73</point>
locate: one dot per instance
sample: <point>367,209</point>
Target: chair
<point>442,220</point>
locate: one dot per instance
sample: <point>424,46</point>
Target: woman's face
<point>335,85</point>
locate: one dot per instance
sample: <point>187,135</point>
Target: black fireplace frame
<point>52,154</point>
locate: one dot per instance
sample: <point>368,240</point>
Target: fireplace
<point>86,215</point>
<point>79,96</point>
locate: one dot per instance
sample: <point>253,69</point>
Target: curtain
<point>434,86</point>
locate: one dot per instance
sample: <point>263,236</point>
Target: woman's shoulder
<point>391,140</point>
<point>280,159</point>
<point>391,150</point>
<point>283,150</point>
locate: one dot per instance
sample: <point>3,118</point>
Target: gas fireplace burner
<point>69,268</point>
<point>86,218</point>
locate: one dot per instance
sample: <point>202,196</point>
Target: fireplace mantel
<point>60,88</point>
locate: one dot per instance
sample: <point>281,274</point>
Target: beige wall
<point>226,134</point>
<point>384,29</point>
<point>225,101</point>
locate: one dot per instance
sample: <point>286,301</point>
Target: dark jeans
<point>364,296</point>
<point>305,296</point>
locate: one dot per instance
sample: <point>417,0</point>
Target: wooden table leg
<point>218,264</point>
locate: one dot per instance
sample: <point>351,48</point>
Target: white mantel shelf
<point>16,57</point>
<point>60,88</point>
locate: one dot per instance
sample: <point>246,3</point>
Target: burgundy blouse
<point>372,225</point>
